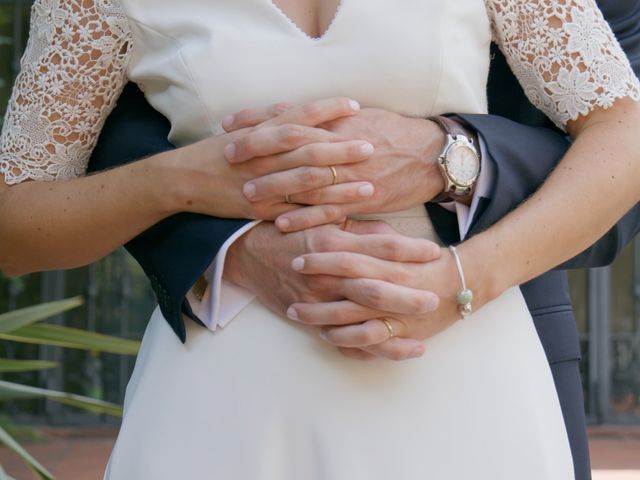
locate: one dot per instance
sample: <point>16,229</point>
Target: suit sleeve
<point>176,251</point>
<point>523,156</point>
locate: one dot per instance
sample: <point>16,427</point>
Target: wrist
<point>485,272</point>
<point>429,140</point>
<point>160,173</point>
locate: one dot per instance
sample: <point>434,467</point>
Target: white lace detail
<point>562,51</point>
<point>564,54</point>
<point>73,71</point>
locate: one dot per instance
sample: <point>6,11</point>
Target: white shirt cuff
<point>214,312</point>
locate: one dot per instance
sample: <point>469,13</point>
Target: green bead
<point>465,296</point>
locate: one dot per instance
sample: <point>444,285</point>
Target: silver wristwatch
<point>459,161</point>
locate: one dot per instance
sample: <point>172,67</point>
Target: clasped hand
<point>342,278</point>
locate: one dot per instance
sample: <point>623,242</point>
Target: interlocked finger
<point>389,297</point>
<point>266,141</point>
<point>342,312</point>
<point>312,217</point>
<point>335,194</point>
<point>392,247</point>
<point>371,332</point>
<point>252,117</point>
<point>317,112</point>
<point>310,114</point>
<point>397,349</point>
<point>296,180</point>
<point>320,154</point>
<point>355,265</point>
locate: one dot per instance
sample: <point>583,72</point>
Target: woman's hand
<point>214,171</point>
<point>403,169</point>
<point>418,299</point>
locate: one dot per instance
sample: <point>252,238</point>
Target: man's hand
<point>261,262</point>
<point>403,168</point>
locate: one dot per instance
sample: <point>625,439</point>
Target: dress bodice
<point>201,59</point>
<point>214,58</point>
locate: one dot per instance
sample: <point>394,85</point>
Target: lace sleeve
<point>72,72</point>
<point>564,54</point>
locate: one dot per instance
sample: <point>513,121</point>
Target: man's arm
<point>176,251</point>
<point>523,156</point>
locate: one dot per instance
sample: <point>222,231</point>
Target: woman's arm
<point>62,96</point>
<point>592,187</point>
<point>576,72</point>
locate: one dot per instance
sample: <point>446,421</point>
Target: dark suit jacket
<point>176,251</point>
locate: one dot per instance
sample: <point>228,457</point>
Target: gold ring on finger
<point>387,324</point>
<point>334,172</point>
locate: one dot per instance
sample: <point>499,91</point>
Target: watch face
<point>462,164</point>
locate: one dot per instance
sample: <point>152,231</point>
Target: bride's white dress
<point>262,398</point>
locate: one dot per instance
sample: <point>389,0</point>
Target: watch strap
<point>451,127</point>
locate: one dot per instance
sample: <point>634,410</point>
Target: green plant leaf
<point>11,391</point>
<point>47,334</point>
<point>7,365</point>
<point>12,444</point>
<point>4,475</point>
<point>11,321</point>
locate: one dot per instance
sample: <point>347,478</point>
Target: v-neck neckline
<point>296,27</point>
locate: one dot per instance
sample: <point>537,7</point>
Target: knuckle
<point>307,198</point>
<point>400,275</point>
<point>243,117</point>
<point>247,144</point>
<point>341,316</point>
<point>421,304</point>
<point>396,354</point>
<point>313,283</point>
<point>392,248</point>
<point>290,134</point>
<point>279,108</point>
<point>311,110</point>
<point>308,176</point>
<point>372,291</point>
<point>366,336</point>
<point>331,212</point>
<point>313,153</point>
<point>324,242</point>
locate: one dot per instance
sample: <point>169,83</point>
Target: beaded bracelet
<point>465,295</point>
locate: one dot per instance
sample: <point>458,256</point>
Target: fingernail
<point>324,335</point>
<point>367,149</point>
<point>297,263</point>
<point>249,190</point>
<point>228,121</point>
<point>292,314</point>
<point>417,352</point>
<point>365,190</point>
<point>355,106</point>
<point>283,223</point>
<point>230,151</point>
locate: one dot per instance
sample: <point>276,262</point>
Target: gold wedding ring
<point>334,172</point>
<point>387,324</point>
